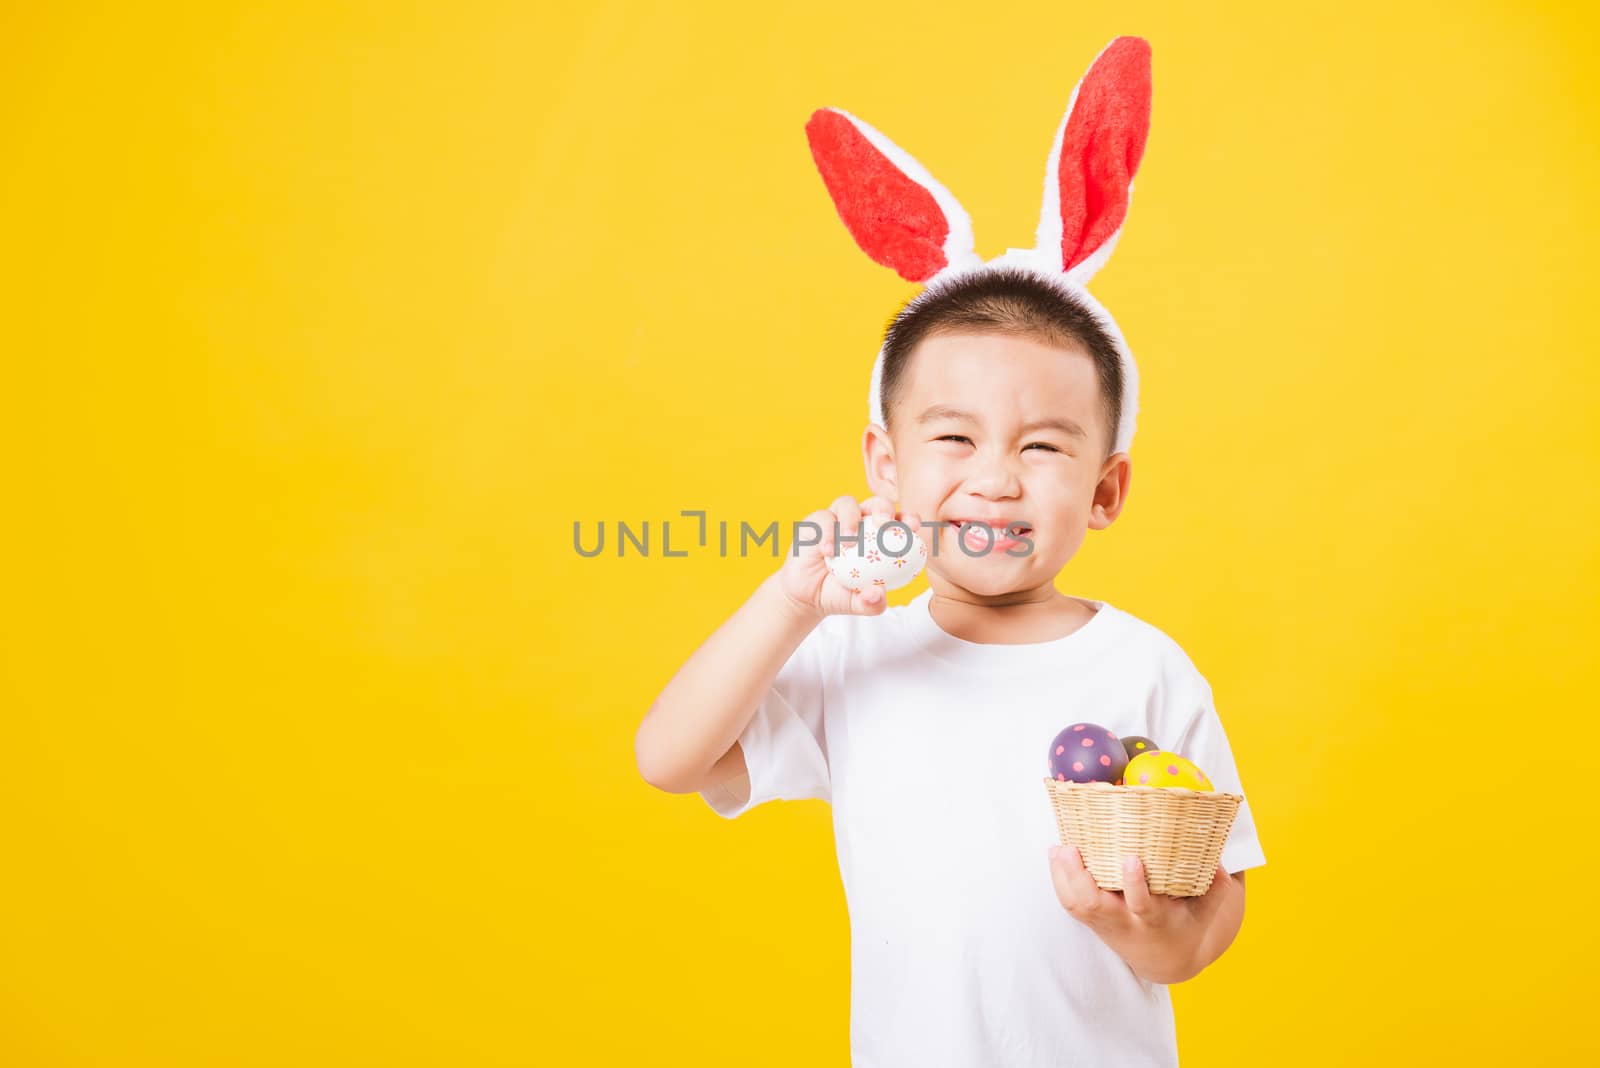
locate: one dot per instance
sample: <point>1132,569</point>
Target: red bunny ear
<point>1096,153</point>
<point>889,202</point>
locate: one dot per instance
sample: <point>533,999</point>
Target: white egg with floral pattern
<point>888,555</point>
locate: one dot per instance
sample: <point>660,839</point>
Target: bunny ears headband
<point>903,218</point>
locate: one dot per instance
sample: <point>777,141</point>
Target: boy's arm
<point>1224,927</point>
<point>688,740</point>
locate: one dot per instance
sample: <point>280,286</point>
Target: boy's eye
<point>968,441</point>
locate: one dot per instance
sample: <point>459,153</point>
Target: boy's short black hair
<point>1005,300</point>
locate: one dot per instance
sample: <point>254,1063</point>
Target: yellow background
<point>324,322</point>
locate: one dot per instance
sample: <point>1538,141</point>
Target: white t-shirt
<point>933,752</point>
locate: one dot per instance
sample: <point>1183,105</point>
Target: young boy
<point>1002,399</point>
<point>927,725</point>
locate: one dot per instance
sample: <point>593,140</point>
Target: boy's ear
<point>877,451</point>
<point>1111,492</point>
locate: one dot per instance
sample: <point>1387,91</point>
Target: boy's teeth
<point>1002,528</point>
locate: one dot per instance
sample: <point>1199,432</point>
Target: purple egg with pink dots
<point>1087,752</point>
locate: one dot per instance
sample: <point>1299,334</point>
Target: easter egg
<point>888,555</point>
<point>1161,768</point>
<point>1087,752</point>
<point>1138,744</point>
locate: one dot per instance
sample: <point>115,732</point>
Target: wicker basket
<point>1177,833</point>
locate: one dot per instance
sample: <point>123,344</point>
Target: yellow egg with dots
<point>1165,769</point>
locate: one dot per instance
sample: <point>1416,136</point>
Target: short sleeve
<point>785,744</point>
<point>1204,742</point>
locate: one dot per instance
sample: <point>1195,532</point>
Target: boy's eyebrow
<point>944,411</point>
<point>1061,423</point>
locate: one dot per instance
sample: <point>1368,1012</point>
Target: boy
<point>1001,400</point>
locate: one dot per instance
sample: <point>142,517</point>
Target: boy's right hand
<point>805,578</point>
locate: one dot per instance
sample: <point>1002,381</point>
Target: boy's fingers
<point>1061,880</point>
<point>877,506</point>
<point>822,522</point>
<point>1136,890</point>
<point>868,602</point>
<point>1075,887</point>
<point>848,513</point>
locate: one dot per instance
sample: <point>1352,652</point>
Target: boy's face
<point>982,431</point>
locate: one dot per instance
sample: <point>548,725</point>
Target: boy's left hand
<point>1163,939</point>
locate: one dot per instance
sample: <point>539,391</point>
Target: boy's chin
<point>983,579</point>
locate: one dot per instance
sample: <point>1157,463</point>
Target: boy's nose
<point>995,479</point>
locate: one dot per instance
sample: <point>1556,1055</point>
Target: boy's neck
<point>1021,617</point>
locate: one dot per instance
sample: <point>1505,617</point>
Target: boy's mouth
<point>993,535</point>
<point>999,526</point>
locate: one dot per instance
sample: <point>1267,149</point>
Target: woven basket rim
<point>1182,791</point>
